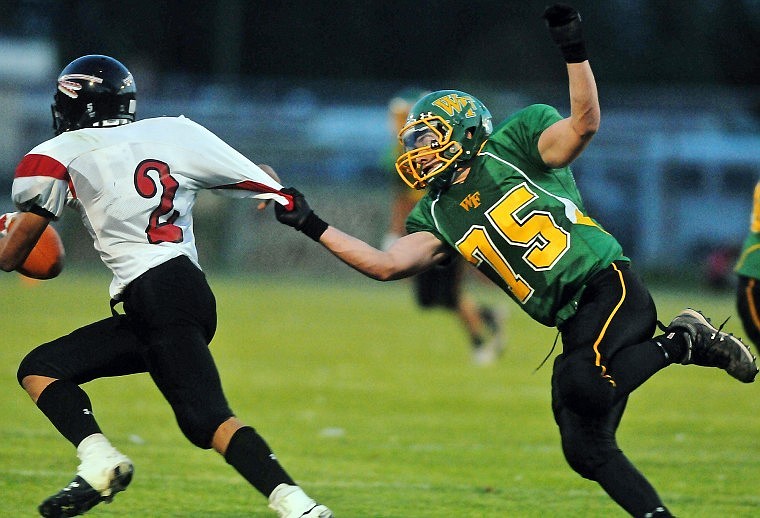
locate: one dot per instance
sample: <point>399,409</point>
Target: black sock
<point>635,364</point>
<point>252,458</point>
<point>68,407</point>
<point>673,345</point>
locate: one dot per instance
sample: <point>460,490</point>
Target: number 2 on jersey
<point>537,231</point>
<point>158,231</point>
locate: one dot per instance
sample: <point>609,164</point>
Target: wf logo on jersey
<point>453,103</point>
<point>471,201</point>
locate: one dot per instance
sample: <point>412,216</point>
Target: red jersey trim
<point>41,165</point>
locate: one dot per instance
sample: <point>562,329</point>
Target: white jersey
<point>135,186</point>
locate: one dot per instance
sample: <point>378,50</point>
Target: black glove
<point>300,217</point>
<point>564,24</point>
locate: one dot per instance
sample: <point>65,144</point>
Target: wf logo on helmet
<point>452,103</point>
<point>68,87</point>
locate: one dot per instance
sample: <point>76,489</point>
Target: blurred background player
<point>134,185</point>
<point>442,286</point>
<point>748,272</point>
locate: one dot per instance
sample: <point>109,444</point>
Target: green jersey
<point>748,264</point>
<point>521,223</point>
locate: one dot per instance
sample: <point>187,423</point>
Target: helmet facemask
<point>444,130</point>
<point>429,150</point>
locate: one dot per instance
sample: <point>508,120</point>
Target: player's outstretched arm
<point>409,255</point>
<point>563,141</point>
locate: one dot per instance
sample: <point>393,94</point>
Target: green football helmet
<point>443,131</point>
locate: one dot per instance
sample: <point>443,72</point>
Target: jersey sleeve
<point>227,172</point>
<point>40,185</point>
<point>525,127</point>
<point>420,219</point>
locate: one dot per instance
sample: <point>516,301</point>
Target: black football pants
<point>607,352</point>
<point>170,320</point>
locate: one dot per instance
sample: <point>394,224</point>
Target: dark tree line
<point>645,41</point>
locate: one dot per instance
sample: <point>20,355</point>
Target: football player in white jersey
<point>134,185</point>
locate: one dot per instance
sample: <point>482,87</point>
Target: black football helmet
<point>93,91</point>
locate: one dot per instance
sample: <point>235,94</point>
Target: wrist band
<point>574,52</point>
<point>313,227</point>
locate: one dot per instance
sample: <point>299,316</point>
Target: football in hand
<point>45,261</point>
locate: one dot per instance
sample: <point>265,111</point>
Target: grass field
<point>374,407</point>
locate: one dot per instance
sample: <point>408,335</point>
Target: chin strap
<point>440,181</point>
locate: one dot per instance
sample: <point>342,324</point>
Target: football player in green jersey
<point>505,199</point>
<point>748,271</point>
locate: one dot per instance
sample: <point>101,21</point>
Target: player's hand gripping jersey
<point>153,170</point>
<point>520,222</point>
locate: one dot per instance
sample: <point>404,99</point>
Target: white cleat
<point>291,502</point>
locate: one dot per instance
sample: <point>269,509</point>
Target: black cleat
<point>710,347</point>
<point>79,496</point>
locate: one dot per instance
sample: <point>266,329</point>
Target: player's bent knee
<point>199,428</point>
<point>586,451</point>
<point>200,437</point>
<point>583,461</point>
<point>31,365</point>
<point>583,389</point>
<point>587,445</point>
